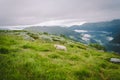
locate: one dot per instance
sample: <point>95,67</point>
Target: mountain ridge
<point>98,32</point>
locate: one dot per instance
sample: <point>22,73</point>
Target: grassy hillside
<point>28,56</point>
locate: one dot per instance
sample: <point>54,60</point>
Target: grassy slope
<point>38,60</point>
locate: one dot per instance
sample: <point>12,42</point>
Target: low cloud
<point>28,12</point>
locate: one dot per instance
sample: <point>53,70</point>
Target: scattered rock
<point>26,37</point>
<point>115,60</point>
<point>60,47</point>
<point>46,38</point>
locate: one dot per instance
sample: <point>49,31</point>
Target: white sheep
<point>60,47</point>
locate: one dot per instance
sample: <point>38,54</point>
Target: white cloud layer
<point>29,12</point>
<point>86,37</point>
<point>61,23</point>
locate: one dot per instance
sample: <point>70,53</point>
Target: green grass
<point>39,60</point>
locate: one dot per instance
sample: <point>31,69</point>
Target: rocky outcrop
<point>115,60</point>
<point>60,47</point>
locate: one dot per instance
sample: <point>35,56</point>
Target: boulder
<point>26,37</point>
<point>60,47</point>
<point>46,38</point>
<point>115,60</point>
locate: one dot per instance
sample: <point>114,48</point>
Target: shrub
<point>45,33</point>
<point>62,35</point>
<point>26,46</point>
<point>59,39</point>
<point>98,46</point>
<point>82,74</point>
<point>54,56</point>
<point>35,36</point>
<point>78,46</point>
<point>4,50</point>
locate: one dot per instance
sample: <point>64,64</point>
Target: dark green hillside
<point>30,56</point>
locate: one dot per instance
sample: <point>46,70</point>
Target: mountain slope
<point>32,56</point>
<point>105,33</point>
<point>50,29</point>
<point>99,32</point>
<point>109,26</point>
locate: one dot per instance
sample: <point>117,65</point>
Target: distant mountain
<point>106,33</point>
<point>3,28</point>
<point>50,29</point>
<point>116,39</point>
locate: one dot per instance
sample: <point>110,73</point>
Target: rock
<point>115,60</point>
<point>26,37</point>
<point>46,38</point>
<point>60,47</point>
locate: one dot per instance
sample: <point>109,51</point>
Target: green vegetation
<point>22,59</point>
<point>35,36</point>
<point>98,46</point>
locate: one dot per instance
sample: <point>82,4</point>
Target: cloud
<point>28,12</point>
<point>86,37</point>
<point>64,23</point>
<point>81,31</point>
<point>61,23</point>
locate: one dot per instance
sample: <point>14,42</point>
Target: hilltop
<point>32,56</point>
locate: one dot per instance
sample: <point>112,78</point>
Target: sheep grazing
<point>60,47</point>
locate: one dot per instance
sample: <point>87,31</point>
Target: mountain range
<point>106,33</point>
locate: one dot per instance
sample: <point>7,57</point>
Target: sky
<point>32,12</point>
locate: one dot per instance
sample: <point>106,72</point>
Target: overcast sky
<point>28,12</point>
